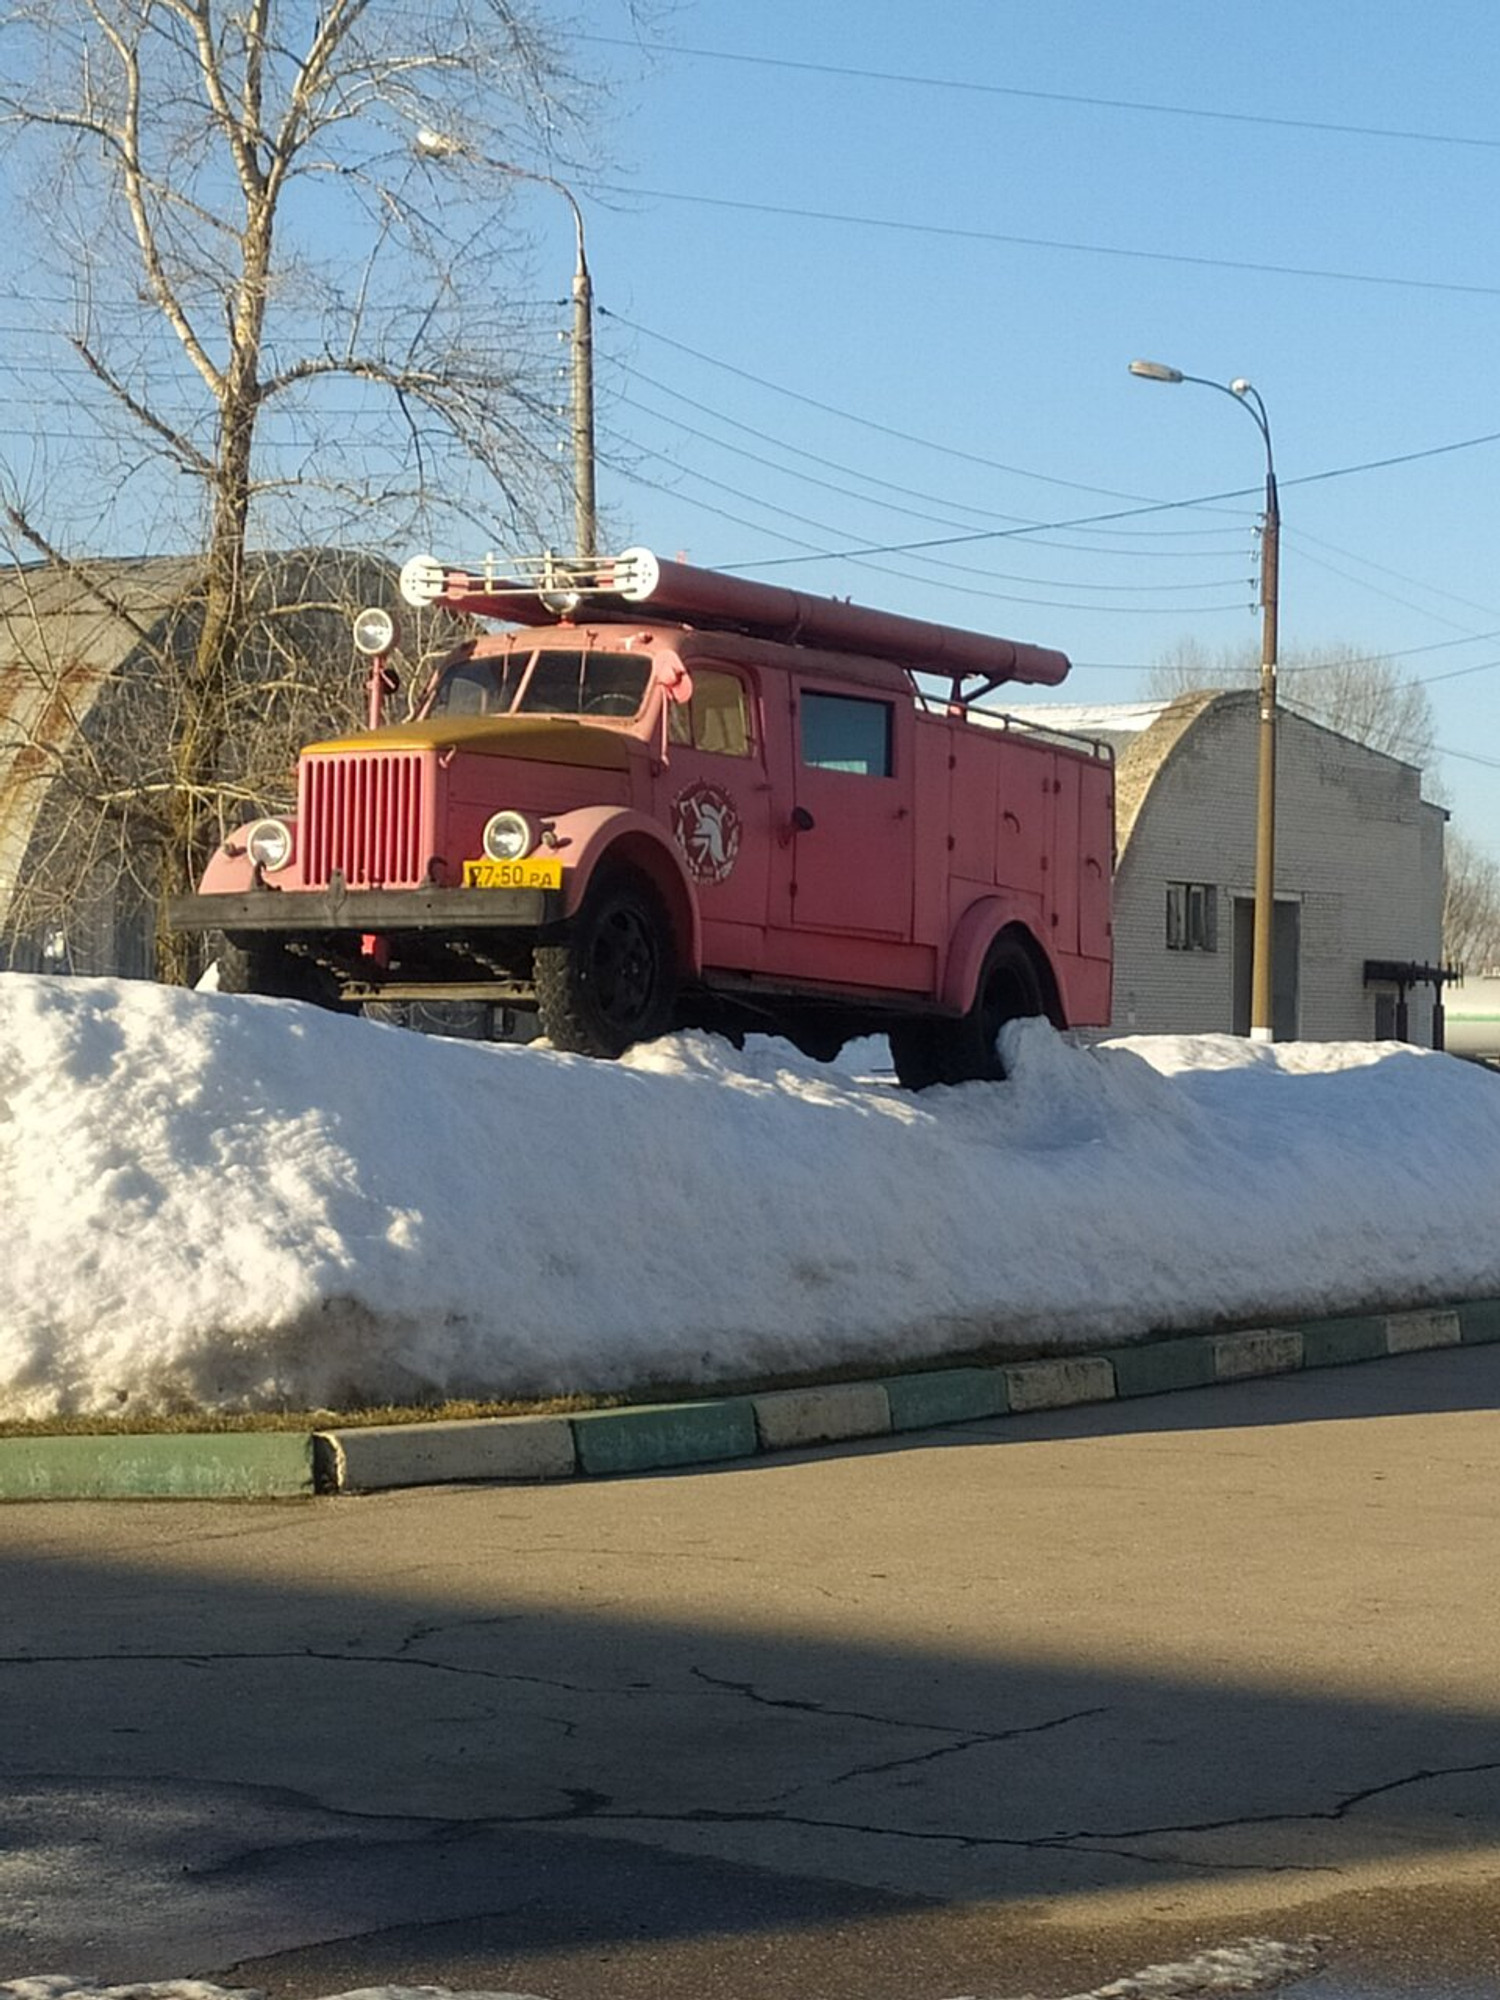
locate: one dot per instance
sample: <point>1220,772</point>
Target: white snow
<point>1105,718</point>
<point>242,1203</point>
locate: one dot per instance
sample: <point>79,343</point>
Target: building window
<point>1192,916</point>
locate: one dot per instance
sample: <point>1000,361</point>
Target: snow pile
<point>247,1203</point>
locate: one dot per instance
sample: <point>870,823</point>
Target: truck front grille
<point>366,815</point>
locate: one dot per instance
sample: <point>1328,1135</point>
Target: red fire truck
<point>668,797</point>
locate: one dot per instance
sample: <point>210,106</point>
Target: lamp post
<point>1262,956</point>
<point>443,146</point>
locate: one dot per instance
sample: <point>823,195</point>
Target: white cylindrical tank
<point>1471,1014</point>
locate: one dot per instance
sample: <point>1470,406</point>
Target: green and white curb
<point>179,1465</point>
<point>660,1437</point>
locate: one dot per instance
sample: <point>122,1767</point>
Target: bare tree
<point>94,656</point>
<point>287,324</point>
<point>1359,696</point>
<point>1471,906</point>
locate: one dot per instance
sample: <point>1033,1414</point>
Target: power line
<point>1155,507</point>
<point>995,465</point>
<point>795,451</point>
<point>1002,596</point>
<point>852,472</point>
<point>828,485</point>
<point>1383,569</point>
<point>974,88</point>
<point>867,423</point>
<point>1390,596</point>
<point>954,231</point>
<point>1458,673</point>
<point>1359,660</point>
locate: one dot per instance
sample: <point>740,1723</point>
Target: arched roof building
<point>1359,871</point>
<point>93,660</point>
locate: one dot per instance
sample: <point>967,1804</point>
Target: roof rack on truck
<point>546,589</point>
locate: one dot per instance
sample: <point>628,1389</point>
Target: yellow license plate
<point>536,872</point>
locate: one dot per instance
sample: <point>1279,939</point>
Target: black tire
<point>915,1054</point>
<point>613,981</point>
<point>1009,990</point>
<point>265,966</point>
<point>819,1040</point>
<point>968,1050</point>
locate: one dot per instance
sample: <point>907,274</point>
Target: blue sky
<point>795,262</point>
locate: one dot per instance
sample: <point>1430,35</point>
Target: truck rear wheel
<point>613,982</point>
<point>968,1050</point>
<point>916,1054</point>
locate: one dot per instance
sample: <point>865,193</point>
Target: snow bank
<point>246,1203</point>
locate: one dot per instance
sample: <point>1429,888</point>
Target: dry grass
<point>176,1422</point>
<point>186,1419</point>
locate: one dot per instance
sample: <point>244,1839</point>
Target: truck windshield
<point>546,682</point>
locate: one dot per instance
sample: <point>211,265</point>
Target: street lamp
<point>1248,397</point>
<point>443,146</point>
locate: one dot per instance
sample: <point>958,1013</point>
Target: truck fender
<point>609,835</point>
<point>974,933</point>
<point>230,872</point>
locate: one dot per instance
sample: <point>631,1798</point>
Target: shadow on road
<point>581,1727</point>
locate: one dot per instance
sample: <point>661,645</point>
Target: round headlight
<point>269,844</point>
<point>508,837</point>
<point>374,631</point>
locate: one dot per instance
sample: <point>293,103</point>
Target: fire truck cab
<point>666,797</point>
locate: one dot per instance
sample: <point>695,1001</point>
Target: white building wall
<point>1358,851</point>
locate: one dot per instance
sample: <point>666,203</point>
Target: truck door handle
<point>802,819</point>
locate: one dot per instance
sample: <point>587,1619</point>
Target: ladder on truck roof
<point>548,589</point>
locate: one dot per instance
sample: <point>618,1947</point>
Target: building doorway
<point>1286,940</point>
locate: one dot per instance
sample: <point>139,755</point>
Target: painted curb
<point>787,1418</point>
<point>654,1437</point>
<point>261,1465</point>
<point>370,1458</point>
<point>1267,1351</point>
<point>945,1396</point>
<point>1054,1385</point>
<point>202,1465</point>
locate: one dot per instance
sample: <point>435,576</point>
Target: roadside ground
<point>1015,1705</point>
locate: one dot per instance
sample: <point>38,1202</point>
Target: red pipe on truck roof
<point>619,586</point>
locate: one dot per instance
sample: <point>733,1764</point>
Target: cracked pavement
<point>1157,1668</point>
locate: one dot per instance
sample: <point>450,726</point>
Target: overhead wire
<point>998,596</point>
<point>1201,583</point>
<point>959,233</point>
<point>852,472</point>
<point>867,423</point>
<point>1167,506</point>
<point>974,86</point>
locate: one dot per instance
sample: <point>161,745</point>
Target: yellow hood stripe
<point>542,738</point>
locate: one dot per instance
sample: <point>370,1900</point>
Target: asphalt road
<point>1014,1707</point>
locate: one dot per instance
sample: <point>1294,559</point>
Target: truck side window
<point>717,718</point>
<point>846,733</point>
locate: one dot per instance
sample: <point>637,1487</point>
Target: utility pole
<point>1263,952</point>
<point>443,146</point>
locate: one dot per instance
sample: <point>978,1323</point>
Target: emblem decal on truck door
<point>707,825</point>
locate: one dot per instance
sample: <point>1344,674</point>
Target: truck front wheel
<point>613,982</point>
<point>266,966</point>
